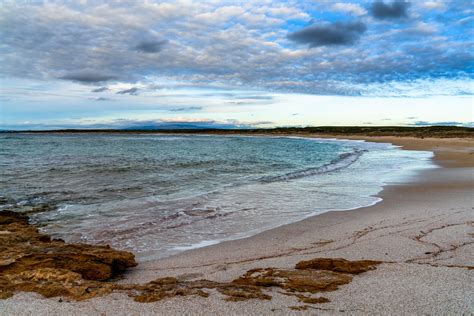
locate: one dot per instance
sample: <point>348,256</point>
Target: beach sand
<point>423,232</point>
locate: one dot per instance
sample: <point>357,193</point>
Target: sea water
<point>156,195</point>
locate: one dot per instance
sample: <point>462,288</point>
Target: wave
<point>343,161</point>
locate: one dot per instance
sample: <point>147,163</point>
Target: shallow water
<point>159,194</point>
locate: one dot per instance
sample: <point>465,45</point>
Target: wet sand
<point>422,231</point>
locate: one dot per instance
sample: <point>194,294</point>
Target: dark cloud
<point>88,77</point>
<point>151,46</point>
<point>186,108</point>
<point>101,89</point>
<point>258,123</point>
<point>394,10</point>
<point>339,33</point>
<point>448,123</point>
<point>102,99</point>
<point>131,91</point>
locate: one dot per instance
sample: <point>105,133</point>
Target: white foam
<point>201,244</point>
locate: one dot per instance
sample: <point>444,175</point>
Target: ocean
<point>157,195</point>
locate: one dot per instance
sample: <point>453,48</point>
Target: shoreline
<point>405,143</point>
<point>422,231</point>
<point>208,243</point>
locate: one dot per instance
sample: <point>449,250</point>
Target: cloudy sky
<point>235,64</point>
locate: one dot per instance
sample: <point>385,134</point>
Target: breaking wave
<point>343,161</point>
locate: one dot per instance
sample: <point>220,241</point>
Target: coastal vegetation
<point>401,131</point>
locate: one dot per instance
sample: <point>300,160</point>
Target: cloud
<point>433,5</point>
<point>418,88</point>
<point>466,20</point>
<point>447,123</point>
<point>395,10</point>
<point>250,99</point>
<point>88,77</point>
<point>102,99</point>
<point>101,89</point>
<point>351,8</point>
<point>339,33</point>
<point>255,97</point>
<point>420,28</point>
<point>151,46</point>
<point>215,45</point>
<point>131,91</point>
<point>186,109</point>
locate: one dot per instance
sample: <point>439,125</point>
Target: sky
<point>235,64</point>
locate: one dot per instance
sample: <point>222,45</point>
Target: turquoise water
<point>157,195</point>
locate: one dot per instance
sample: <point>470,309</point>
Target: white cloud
<point>433,5</point>
<point>424,28</point>
<point>349,8</point>
<point>219,44</point>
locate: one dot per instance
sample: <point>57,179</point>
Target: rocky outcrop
<point>31,261</point>
<point>170,287</point>
<point>308,278</point>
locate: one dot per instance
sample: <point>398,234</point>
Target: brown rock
<point>311,281</point>
<point>313,300</point>
<point>338,265</point>
<point>31,261</point>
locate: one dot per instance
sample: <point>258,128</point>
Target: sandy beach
<point>422,232</point>
<point>210,157</point>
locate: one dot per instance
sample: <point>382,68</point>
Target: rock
<point>313,300</point>
<point>338,265</point>
<point>31,261</point>
<point>311,281</point>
